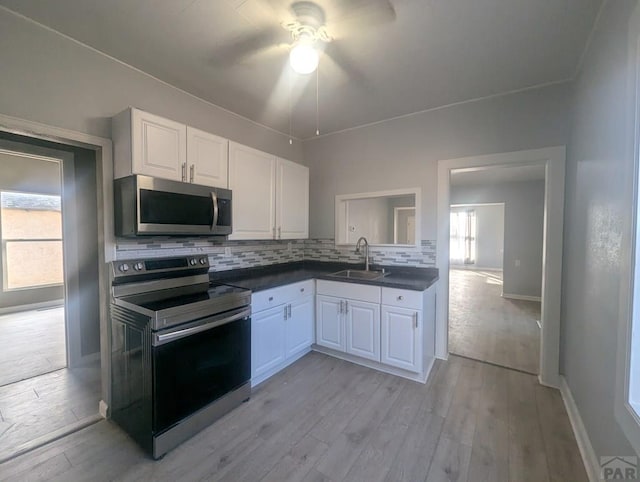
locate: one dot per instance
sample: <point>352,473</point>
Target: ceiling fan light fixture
<point>304,57</point>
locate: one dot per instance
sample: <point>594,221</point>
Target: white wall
<point>598,177</point>
<point>369,218</point>
<point>523,230</point>
<point>403,153</point>
<point>489,234</point>
<point>50,79</point>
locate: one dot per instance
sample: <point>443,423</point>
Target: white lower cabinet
<point>299,326</point>
<point>363,329</point>
<point>281,328</point>
<point>267,340</point>
<point>329,323</point>
<point>402,338</point>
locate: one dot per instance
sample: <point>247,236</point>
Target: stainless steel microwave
<point>147,206</point>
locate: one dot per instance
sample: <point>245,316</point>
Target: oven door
<point>197,363</point>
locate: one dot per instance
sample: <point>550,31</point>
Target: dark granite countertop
<point>266,277</point>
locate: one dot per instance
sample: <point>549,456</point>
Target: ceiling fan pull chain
<point>317,103</point>
<point>290,136</point>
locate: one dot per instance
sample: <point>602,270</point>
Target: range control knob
<point>203,260</point>
<point>138,266</point>
<point>193,261</point>
<point>123,268</point>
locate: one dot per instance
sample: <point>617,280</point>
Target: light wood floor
<point>31,343</point>
<point>324,419</point>
<point>487,327</point>
<point>35,408</point>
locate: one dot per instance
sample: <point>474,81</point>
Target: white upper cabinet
<point>154,146</point>
<point>270,195</point>
<point>149,144</point>
<point>252,182</point>
<point>292,188</point>
<point>207,158</point>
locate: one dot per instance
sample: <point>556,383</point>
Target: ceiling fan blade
<point>244,47</point>
<point>345,63</point>
<point>358,15</point>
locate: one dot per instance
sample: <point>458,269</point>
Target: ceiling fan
<point>304,29</point>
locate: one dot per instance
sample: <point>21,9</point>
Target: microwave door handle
<point>214,202</point>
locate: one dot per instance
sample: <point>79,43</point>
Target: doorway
<point>495,265</point>
<point>49,298</point>
<point>553,160</point>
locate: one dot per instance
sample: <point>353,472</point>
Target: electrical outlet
<point>227,251</point>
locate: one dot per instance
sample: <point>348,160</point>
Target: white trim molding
<point>553,158</point>
<point>511,296</point>
<point>103,148</point>
<point>589,458</point>
<point>629,297</point>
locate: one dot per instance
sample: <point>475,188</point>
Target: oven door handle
<point>161,339</point>
<point>216,212</point>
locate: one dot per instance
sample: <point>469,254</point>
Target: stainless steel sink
<point>358,274</point>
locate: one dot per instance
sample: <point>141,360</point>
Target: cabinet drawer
<point>352,291</point>
<point>403,298</point>
<point>281,295</point>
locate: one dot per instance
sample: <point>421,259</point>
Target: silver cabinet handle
<point>184,171</point>
<point>341,310</point>
<point>415,319</point>
<point>289,314</point>
<point>274,232</point>
<point>301,290</point>
<point>279,232</point>
<point>346,307</point>
<point>192,169</point>
<point>285,312</point>
<point>400,298</point>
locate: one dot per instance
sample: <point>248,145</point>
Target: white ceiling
<point>497,175</point>
<point>435,52</point>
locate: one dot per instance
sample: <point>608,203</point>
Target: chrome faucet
<point>366,251</point>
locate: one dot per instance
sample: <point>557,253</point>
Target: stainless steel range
<point>181,349</point>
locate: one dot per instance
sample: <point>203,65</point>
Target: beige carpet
<point>487,327</point>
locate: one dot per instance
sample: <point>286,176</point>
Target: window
<point>31,227</point>
<point>462,245</point>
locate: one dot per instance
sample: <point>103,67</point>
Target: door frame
<point>554,159</point>
<point>103,149</point>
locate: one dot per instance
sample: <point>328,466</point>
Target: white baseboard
<point>31,306</point>
<point>589,457</point>
<point>521,297</point>
<point>103,409</point>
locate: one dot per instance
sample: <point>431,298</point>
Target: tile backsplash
<point>226,255</point>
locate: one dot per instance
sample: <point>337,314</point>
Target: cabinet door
<point>159,146</point>
<point>207,158</point>
<point>267,340</point>
<point>329,326</point>
<point>299,326</point>
<point>401,338</point>
<point>363,329</point>
<point>252,180</point>
<point>292,204</point>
